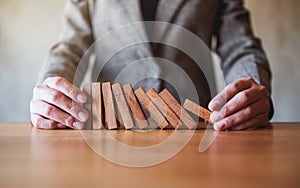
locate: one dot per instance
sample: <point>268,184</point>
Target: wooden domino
<point>197,110</point>
<point>151,108</point>
<point>164,108</point>
<point>122,106</point>
<point>176,107</point>
<point>97,111</point>
<point>136,110</point>
<point>87,89</point>
<point>109,109</point>
<point>108,103</point>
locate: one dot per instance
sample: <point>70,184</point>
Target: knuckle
<point>69,120</point>
<point>249,111</point>
<point>263,89</point>
<point>47,80</point>
<point>49,111</point>
<point>57,81</point>
<point>244,97</point>
<point>227,110</point>
<point>235,85</point>
<point>72,91</point>
<point>56,96</point>
<point>52,125</point>
<point>249,79</point>
<point>36,90</point>
<point>38,122</point>
<point>74,109</point>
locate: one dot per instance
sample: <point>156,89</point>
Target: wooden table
<point>61,158</point>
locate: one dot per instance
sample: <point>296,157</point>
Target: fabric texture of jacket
<point>223,25</point>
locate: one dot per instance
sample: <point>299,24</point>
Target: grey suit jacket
<point>224,21</point>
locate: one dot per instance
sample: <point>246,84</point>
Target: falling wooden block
<point>122,106</point>
<point>119,118</point>
<point>87,89</point>
<point>176,107</point>
<point>97,111</point>
<point>136,110</point>
<point>109,109</point>
<point>197,110</point>
<point>164,108</point>
<point>151,108</point>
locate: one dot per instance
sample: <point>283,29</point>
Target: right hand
<point>56,103</point>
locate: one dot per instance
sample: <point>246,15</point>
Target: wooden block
<point>87,89</point>
<point>164,108</point>
<point>97,111</point>
<point>109,109</point>
<point>122,106</point>
<point>136,110</point>
<point>151,108</point>
<point>176,107</point>
<point>119,119</point>
<point>197,110</point>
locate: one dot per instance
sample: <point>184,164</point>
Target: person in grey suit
<point>243,104</point>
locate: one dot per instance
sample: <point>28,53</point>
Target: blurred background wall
<point>29,27</point>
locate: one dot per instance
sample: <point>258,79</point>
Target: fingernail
<point>215,116</point>
<point>214,105</point>
<point>78,125</point>
<point>219,126</point>
<point>83,116</point>
<point>81,98</point>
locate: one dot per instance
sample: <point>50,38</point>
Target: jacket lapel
<point>133,13</point>
<point>168,10</point>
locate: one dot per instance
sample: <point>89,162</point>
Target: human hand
<point>56,103</point>
<point>241,105</point>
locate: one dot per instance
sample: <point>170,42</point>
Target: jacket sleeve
<point>75,39</point>
<point>240,51</point>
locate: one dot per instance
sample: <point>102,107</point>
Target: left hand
<point>241,105</point>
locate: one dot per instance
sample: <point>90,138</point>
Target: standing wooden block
<point>164,108</point>
<point>176,107</point>
<point>87,89</point>
<point>151,108</point>
<point>109,109</point>
<point>136,110</point>
<point>197,110</point>
<point>122,106</point>
<point>97,106</point>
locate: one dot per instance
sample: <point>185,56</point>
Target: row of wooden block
<point>117,106</point>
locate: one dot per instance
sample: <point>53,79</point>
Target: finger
<point>253,123</point>
<point>240,101</point>
<point>42,123</point>
<point>229,92</point>
<point>58,99</point>
<point>255,109</point>
<point>64,86</point>
<point>53,113</point>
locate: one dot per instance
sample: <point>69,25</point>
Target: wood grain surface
<point>266,158</point>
